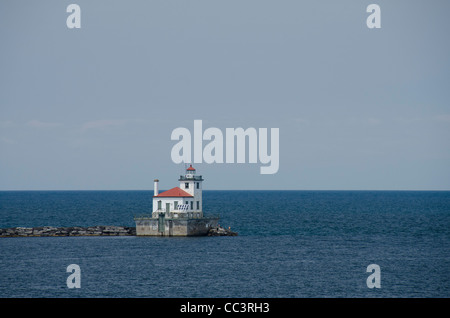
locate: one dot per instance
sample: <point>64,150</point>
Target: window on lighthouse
<point>186,185</point>
<point>198,185</point>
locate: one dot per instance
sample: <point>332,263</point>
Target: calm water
<point>290,244</point>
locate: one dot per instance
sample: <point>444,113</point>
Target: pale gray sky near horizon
<point>94,108</point>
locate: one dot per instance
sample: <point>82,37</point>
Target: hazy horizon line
<point>151,190</point>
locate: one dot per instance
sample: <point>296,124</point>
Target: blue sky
<point>94,108</point>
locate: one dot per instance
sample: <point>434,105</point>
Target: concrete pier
<point>167,226</point>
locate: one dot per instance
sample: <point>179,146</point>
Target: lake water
<point>290,244</point>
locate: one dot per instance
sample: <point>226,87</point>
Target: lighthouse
<point>177,211</point>
<point>192,184</point>
<point>183,201</point>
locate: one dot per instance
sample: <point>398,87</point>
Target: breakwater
<point>67,231</point>
<point>89,231</point>
<point>220,231</point>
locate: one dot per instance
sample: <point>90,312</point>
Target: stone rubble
<point>89,231</point>
<point>68,231</point>
<point>220,231</point>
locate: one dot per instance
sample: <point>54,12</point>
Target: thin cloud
<point>7,124</point>
<point>6,140</point>
<point>103,124</point>
<point>40,124</point>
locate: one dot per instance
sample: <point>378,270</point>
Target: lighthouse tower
<point>192,184</point>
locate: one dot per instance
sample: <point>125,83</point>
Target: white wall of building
<point>194,188</point>
<point>197,193</point>
<point>180,200</point>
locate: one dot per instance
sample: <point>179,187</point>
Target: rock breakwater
<point>220,231</point>
<point>89,231</point>
<point>67,231</point>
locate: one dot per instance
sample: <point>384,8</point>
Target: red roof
<point>190,168</point>
<point>174,192</point>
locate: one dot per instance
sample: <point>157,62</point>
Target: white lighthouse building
<point>178,211</point>
<point>180,202</point>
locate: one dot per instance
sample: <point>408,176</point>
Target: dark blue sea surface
<point>290,244</point>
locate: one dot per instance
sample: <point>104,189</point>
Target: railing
<point>193,178</point>
<point>179,215</point>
